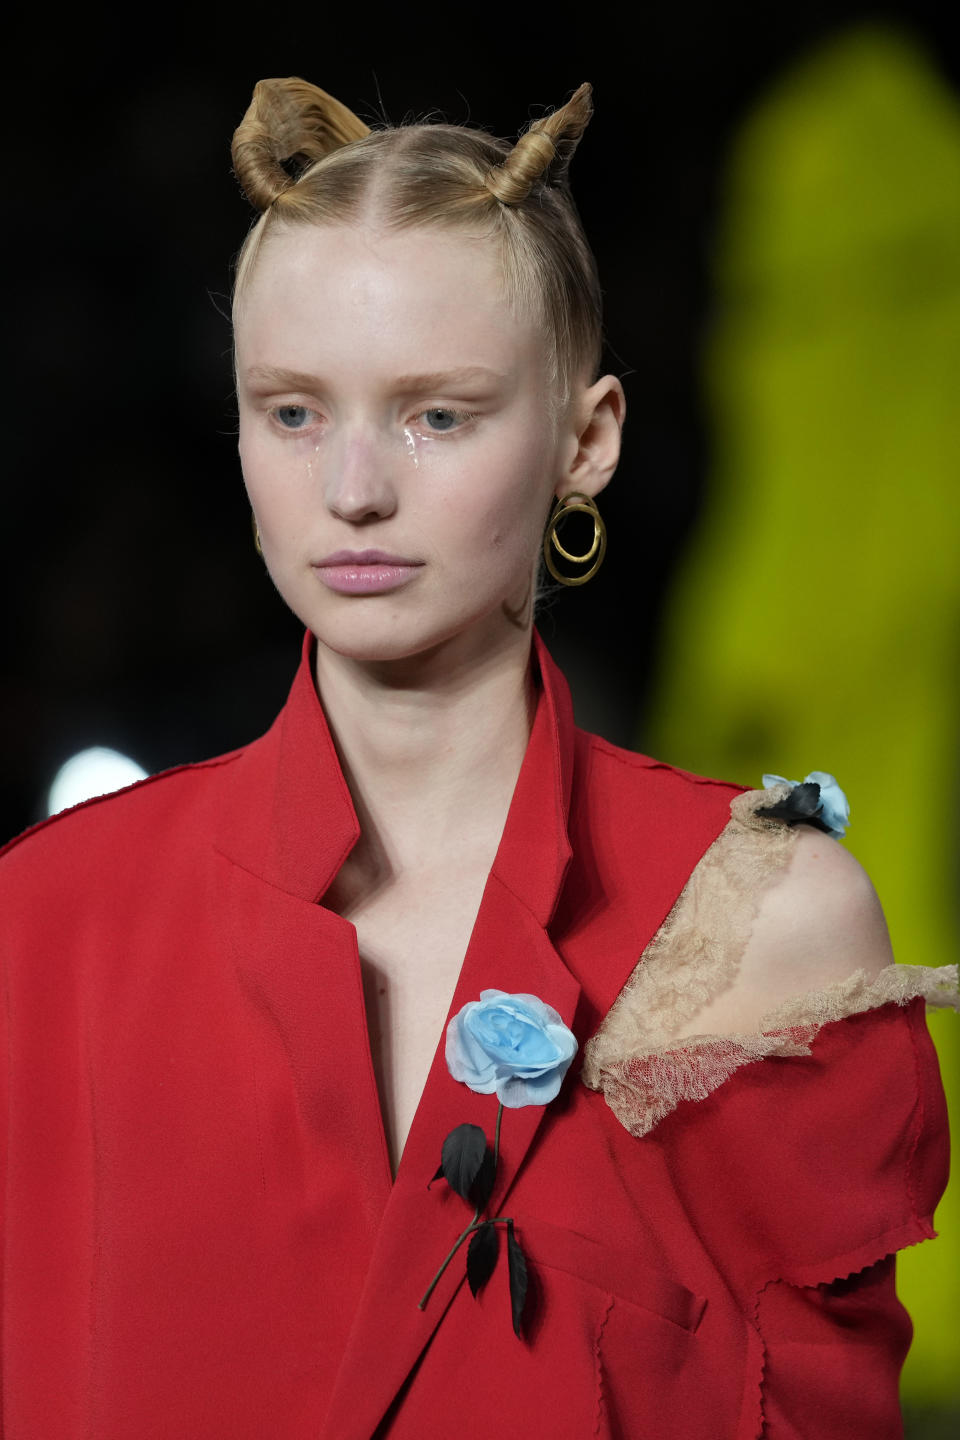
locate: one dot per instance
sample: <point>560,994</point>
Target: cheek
<point>274,483</point>
<point>251,461</point>
<point>495,521</point>
<point>518,501</point>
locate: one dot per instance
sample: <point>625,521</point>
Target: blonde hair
<point>303,158</point>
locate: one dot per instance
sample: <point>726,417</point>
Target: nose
<point>359,483</point>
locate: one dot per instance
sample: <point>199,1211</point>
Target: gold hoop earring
<point>568,504</point>
<point>256,534</point>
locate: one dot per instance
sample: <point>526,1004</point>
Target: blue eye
<point>292,417</point>
<point>445,419</point>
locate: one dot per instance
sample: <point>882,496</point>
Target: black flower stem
<point>473,1223</point>
<point>459,1241</point>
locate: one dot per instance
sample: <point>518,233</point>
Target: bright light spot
<point>96,771</point>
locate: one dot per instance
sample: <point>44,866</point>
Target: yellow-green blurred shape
<point>814,625</point>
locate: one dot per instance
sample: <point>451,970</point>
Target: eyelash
<point>463,416</point>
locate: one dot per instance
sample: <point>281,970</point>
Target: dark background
<point>138,614</point>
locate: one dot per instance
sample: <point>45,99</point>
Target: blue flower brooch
<point>518,1048</point>
<point>816,799</point>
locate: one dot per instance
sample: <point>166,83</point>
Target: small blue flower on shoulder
<point>834,809</point>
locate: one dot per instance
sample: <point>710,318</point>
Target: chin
<point>372,649</point>
<point>378,640</point>
<point>371,632</point>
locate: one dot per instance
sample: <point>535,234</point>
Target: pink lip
<point>365,572</point>
<point>365,557</point>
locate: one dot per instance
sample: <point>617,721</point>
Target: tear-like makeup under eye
<point>411,442</point>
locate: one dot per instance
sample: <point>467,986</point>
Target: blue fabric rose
<point>513,1045</point>
<point>834,808</point>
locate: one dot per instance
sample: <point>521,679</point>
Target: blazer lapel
<point>509,950</point>
<point>289,816</point>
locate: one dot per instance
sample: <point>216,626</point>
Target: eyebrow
<point>434,380</point>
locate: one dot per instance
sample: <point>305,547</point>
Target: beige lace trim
<point>643,1071</point>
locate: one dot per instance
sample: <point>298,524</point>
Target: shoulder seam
<point>210,764</point>
<point>633,759</point>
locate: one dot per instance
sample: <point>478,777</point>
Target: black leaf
<point>438,1176</point>
<point>483,1185</point>
<point>461,1157</point>
<point>802,804</point>
<point>482,1255</point>
<point>518,1278</point>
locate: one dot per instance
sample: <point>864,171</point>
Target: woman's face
<point>390,401</point>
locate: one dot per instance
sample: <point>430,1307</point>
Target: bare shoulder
<point>817,923</point>
<point>825,902</point>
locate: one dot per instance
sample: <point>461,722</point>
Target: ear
<point>593,441</point>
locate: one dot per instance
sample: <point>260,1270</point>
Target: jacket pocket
<point>611,1350</point>
<point>647,1342</point>
<point>616,1272</point>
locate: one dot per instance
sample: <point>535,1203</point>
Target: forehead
<point>373,296</point>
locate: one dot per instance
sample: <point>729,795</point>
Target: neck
<point>431,747</point>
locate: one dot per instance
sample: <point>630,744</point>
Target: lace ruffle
<point>643,1088</point>
<point>635,1059</point>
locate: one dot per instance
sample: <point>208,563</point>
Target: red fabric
<point>201,1237</point>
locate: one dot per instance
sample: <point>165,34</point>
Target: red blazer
<point>202,1238</point>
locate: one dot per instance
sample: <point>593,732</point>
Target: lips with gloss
<point>365,572</point>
